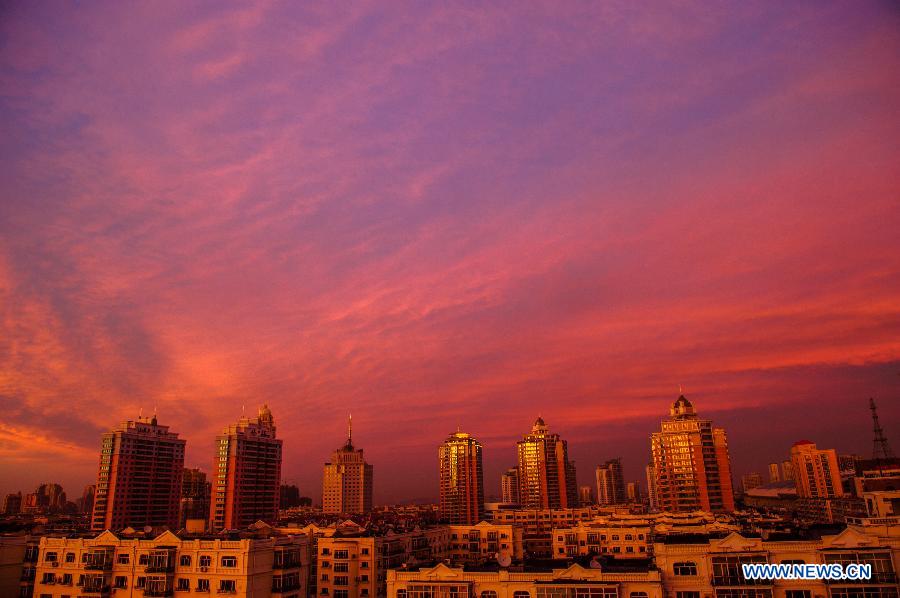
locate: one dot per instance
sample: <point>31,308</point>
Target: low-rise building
<point>485,542</point>
<point>552,580</point>
<point>167,565</point>
<point>538,524</point>
<point>18,555</point>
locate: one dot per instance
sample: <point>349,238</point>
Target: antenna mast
<point>881,448</point>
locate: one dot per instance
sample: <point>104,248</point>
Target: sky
<point>435,215</point>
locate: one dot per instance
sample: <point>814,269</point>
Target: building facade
<point>461,479</point>
<point>109,565</point>
<point>139,483</point>
<point>816,471</point>
<point>610,483</point>
<point>692,467</point>
<point>509,486</point>
<point>246,473</point>
<point>195,491</point>
<point>546,476</point>
<point>485,542</point>
<point>347,480</point>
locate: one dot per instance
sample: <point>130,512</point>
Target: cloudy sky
<point>446,214</point>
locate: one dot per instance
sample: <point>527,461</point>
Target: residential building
<point>610,483</point>
<point>585,495</point>
<point>774,473</point>
<point>546,476</point>
<point>538,524</point>
<point>195,491</point>
<point>12,504</point>
<point>139,483</point>
<point>750,481</point>
<point>633,492</point>
<point>787,470</point>
<point>461,479</point>
<point>691,463</point>
<point>651,486</point>
<point>247,473</point>
<point>509,486</point>
<point>816,471</point>
<point>485,542</point>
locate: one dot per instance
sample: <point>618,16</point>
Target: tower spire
<point>349,429</point>
<point>881,448</point>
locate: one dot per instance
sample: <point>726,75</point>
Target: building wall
<point>483,542</point>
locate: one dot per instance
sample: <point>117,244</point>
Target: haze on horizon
<point>446,215</point>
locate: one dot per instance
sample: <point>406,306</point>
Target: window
<point>401,593</point>
<point>341,567</point>
<point>121,582</point>
<point>342,554</point>
<point>67,579</point>
<point>48,578</point>
<point>427,590</point>
<point>364,565</point>
<point>865,592</point>
<point>638,595</point>
<point>140,582</point>
<point>489,594</point>
<point>227,586</point>
<point>122,558</point>
<point>365,551</point>
<point>364,578</point>
<point>50,557</point>
<point>70,557</point>
<point>797,594</point>
<point>793,562</point>
<point>202,585</point>
<point>742,593</point>
<point>341,580</point>
<point>229,561</point>
<point>325,577</point>
<point>687,594</point>
<point>341,594</point>
<point>144,559</point>
<point>185,560</point>
<point>183,584</point>
<point>685,568</point>
<point>205,560</point>
<point>521,594</point>
<point>575,591</point>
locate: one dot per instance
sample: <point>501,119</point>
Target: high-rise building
<point>509,485</point>
<point>692,466</point>
<point>610,483</point>
<point>751,480</point>
<point>247,473</point>
<point>633,492</point>
<point>87,499</point>
<point>139,483</point>
<point>774,473</point>
<point>585,495</point>
<point>12,504</point>
<point>546,476</point>
<point>651,486</point>
<point>290,496</point>
<point>816,471</point>
<point>195,491</point>
<point>347,480</point>
<point>787,470</point>
<point>461,479</point>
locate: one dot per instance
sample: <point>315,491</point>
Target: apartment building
<point>485,542</point>
<point>109,565</point>
<point>538,524</point>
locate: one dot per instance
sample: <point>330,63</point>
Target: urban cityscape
<point>449,299</point>
<point>151,525</point>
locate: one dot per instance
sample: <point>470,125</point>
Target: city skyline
<point>440,218</point>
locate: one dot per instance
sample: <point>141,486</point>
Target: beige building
<point>18,555</point>
<point>485,541</point>
<point>546,476</point>
<point>355,564</point>
<point>816,471</point>
<point>109,565</point>
<point>573,581</point>
<point>347,480</point>
<point>538,524</point>
<point>509,486</point>
<point>712,568</point>
<point>461,479</point>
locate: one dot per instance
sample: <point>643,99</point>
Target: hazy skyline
<point>433,215</point>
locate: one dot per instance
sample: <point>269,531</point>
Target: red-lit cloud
<point>432,218</point>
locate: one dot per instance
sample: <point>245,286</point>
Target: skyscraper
<point>585,495</point>
<point>247,473</point>
<point>610,483</point>
<point>816,471</point>
<point>347,480</point>
<point>751,480</point>
<point>787,470</point>
<point>87,499</point>
<point>651,486</point>
<point>692,466</point>
<point>633,492</point>
<point>546,476</point>
<point>509,485</point>
<point>139,483</point>
<point>461,479</point>
<point>774,473</point>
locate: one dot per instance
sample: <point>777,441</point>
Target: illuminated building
<point>347,480</point>
<point>651,485</point>
<point>774,473</point>
<point>509,486</point>
<point>461,479</point>
<point>610,483</point>
<point>139,483</point>
<point>246,473</point>
<point>585,495</point>
<point>750,481</point>
<point>691,462</point>
<point>816,471</point>
<point>633,492</point>
<point>168,565</point>
<point>787,471</point>
<point>546,476</point>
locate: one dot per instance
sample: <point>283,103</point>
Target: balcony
<point>92,565</point>
<point>159,592</point>
<point>876,579</point>
<point>159,568</point>
<point>737,580</point>
<point>287,587</point>
<point>95,591</point>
